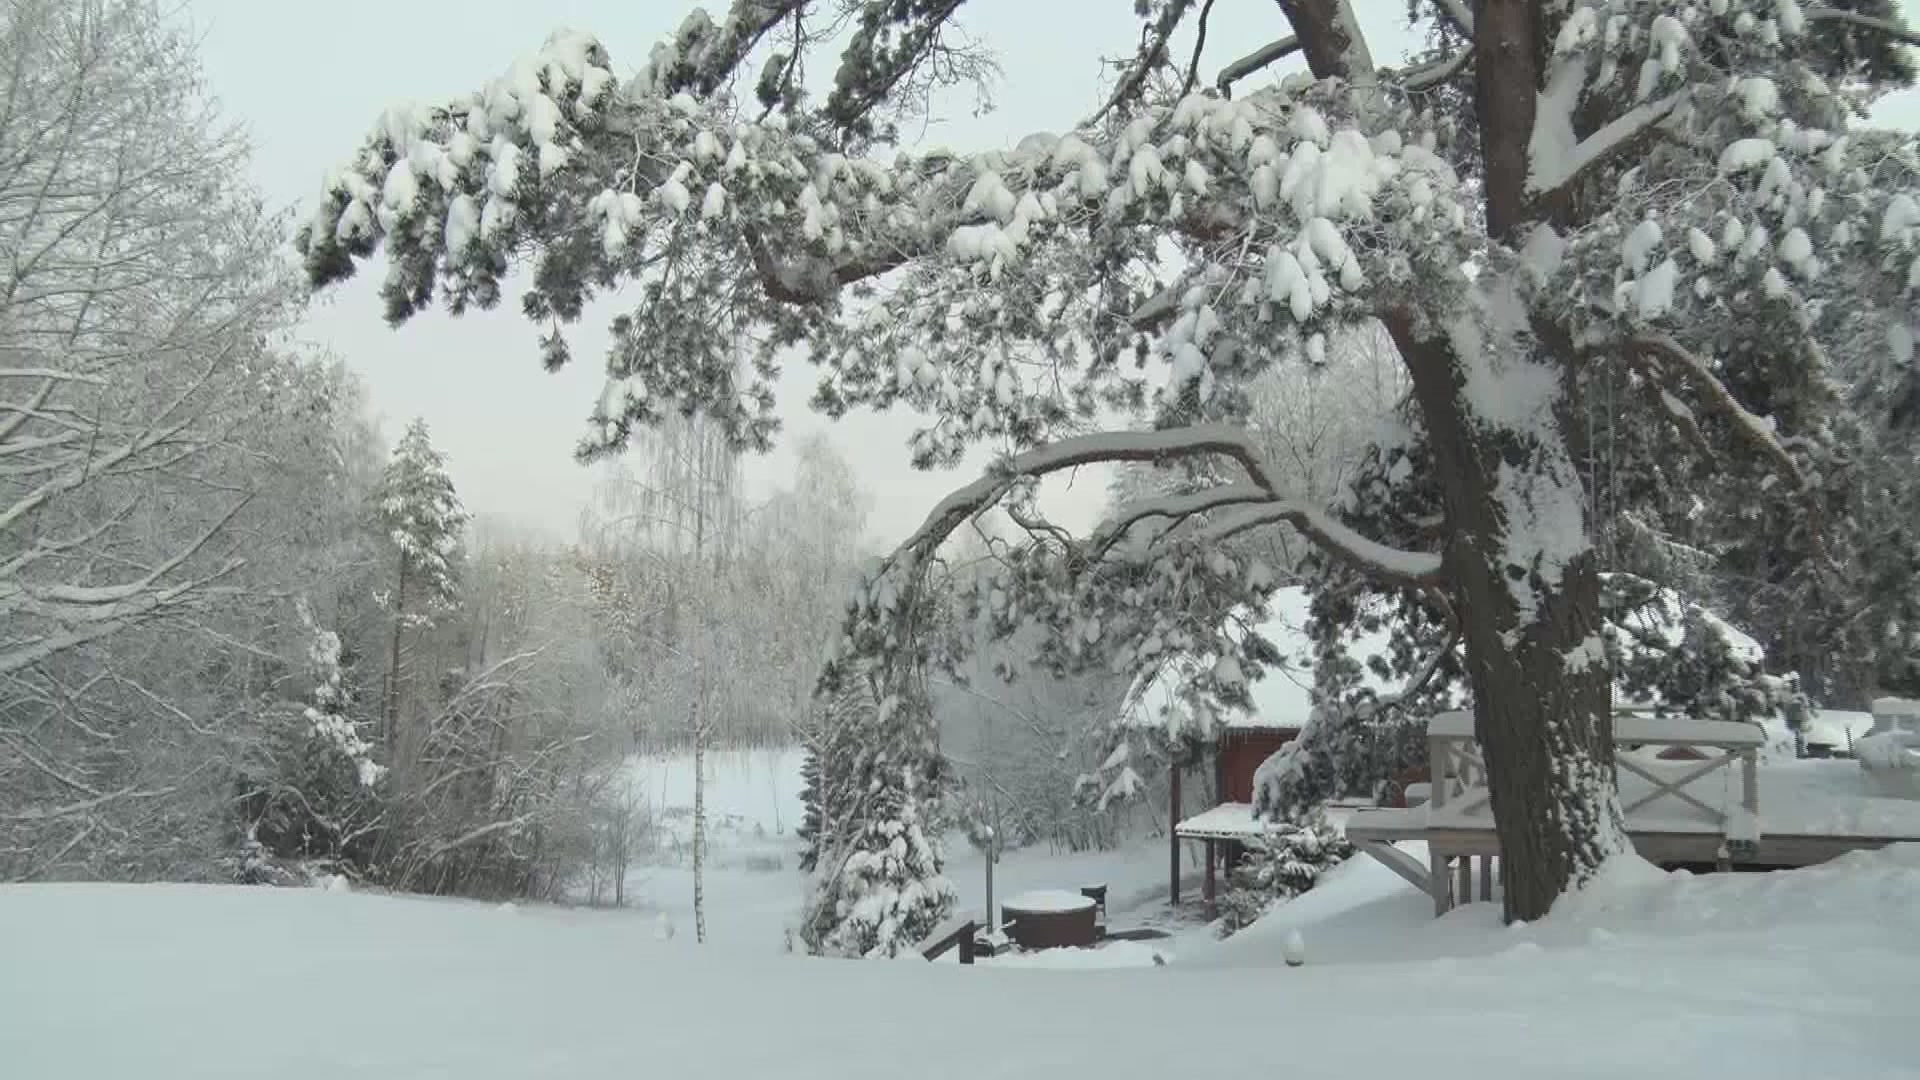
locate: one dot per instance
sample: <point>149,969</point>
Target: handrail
<point>961,935</point>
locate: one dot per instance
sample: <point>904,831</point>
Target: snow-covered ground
<point>1810,973</point>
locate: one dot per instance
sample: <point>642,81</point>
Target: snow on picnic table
<point>1809,973</point>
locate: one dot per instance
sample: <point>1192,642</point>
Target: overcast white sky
<point>308,80</point>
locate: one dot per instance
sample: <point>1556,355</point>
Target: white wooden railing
<point>1459,771</point>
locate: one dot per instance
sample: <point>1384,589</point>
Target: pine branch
<point>1684,367</point>
<point>1428,76</point>
<point>1878,26</point>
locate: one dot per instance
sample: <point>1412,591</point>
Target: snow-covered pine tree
<point>877,888</point>
<point>1279,867</point>
<point>417,511</point>
<point>1676,192</point>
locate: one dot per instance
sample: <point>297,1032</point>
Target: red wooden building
<point>1243,744</point>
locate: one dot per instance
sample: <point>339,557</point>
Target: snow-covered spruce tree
<point>307,795</point>
<point>1674,191</point>
<point>831,736</point>
<point>1280,867</point>
<point>877,888</point>
<point>416,509</point>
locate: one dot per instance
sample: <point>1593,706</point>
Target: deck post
<point>1437,879</point>
<point>1173,837</point>
<point>1486,877</point>
<point>1750,784</point>
<point>966,943</point>
<point>1209,887</point>
<point>1464,890</point>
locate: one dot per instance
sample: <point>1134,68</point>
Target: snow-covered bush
<point>1277,868</point>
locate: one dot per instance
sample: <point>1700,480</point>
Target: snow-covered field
<point>1811,973</point>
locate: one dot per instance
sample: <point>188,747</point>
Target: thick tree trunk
<point>1330,38</point>
<point>1541,703</point>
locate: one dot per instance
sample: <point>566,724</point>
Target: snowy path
<point>1795,975</point>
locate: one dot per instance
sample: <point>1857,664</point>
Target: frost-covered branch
<point>1555,171</point>
<point>1175,509</point>
<point>1389,565</point>
<point>1257,60</point>
<point>1261,503</point>
<point>1105,448</point>
<point>1758,431</point>
<point>701,56</point>
<point>1428,76</point>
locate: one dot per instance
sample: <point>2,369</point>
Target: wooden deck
<point>1708,811</point>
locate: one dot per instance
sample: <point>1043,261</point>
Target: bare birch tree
<point>138,286</point>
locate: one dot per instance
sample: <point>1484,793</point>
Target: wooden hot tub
<point>1052,919</point>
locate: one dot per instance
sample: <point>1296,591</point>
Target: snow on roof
<point>1228,821</point>
<point>1837,727</point>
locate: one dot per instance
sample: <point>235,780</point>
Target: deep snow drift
<point>1810,973</point>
